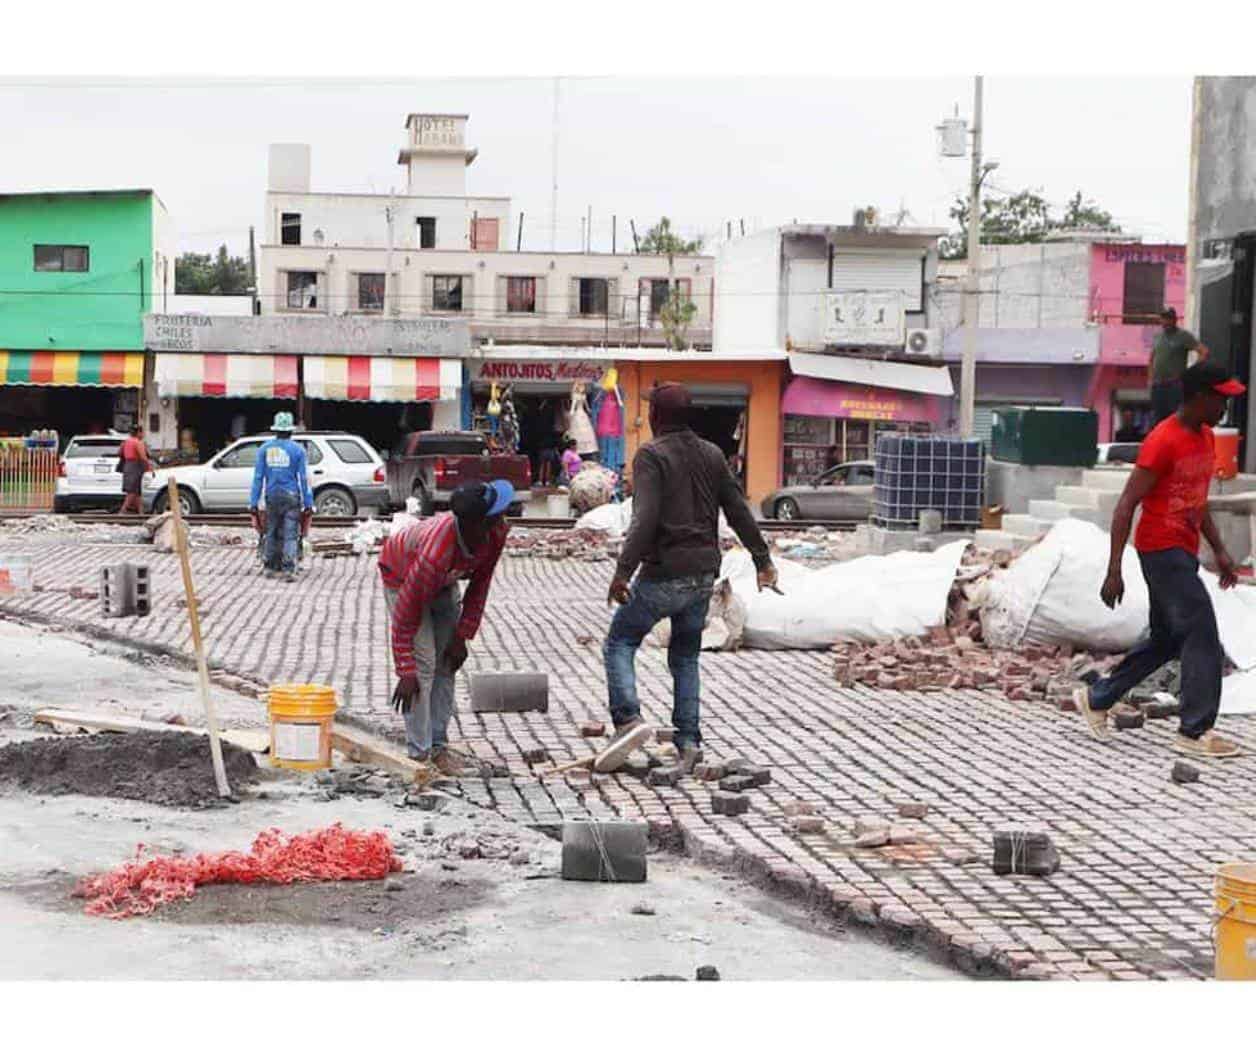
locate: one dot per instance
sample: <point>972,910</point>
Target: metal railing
<point>28,474</point>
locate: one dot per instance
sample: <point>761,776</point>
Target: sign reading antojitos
<point>558,372</point>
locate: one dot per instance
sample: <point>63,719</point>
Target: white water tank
<point>953,137</point>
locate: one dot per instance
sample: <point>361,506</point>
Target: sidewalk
<point>1132,899</point>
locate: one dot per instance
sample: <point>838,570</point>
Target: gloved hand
<point>456,654</point>
<point>259,522</point>
<point>404,693</point>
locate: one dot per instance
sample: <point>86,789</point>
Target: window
<point>861,475</point>
<point>1144,292</point>
<point>371,291</point>
<point>484,234</point>
<point>60,258</point>
<point>289,228</point>
<point>313,453</point>
<point>81,449</point>
<point>427,232</point>
<point>350,451</point>
<point>593,296</point>
<point>447,293</point>
<point>521,294</point>
<point>658,297</point>
<point>302,290</point>
<point>242,456</point>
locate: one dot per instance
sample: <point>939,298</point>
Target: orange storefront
<point>737,401</point>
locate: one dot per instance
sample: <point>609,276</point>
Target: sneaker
<point>1096,720</point>
<point>1210,744</point>
<point>690,757</point>
<point>289,576</point>
<point>629,736</point>
<point>449,764</point>
<point>270,573</point>
<point>1122,707</point>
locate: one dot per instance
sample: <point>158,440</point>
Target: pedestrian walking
<point>1170,481</point>
<point>282,473</point>
<point>429,624</point>
<point>680,484</point>
<point>1168,362</point>
<point>134,462</point>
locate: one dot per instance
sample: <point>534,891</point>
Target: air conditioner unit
<point>923,342</point>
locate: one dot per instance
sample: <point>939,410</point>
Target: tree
<point>1021,218</point>
<point>662,240</point>
<point>221,274</point>
<point>675,316</point>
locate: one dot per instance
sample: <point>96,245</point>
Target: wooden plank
<point>97,720</point>
<point>194,618</point>
<point>365,748</point>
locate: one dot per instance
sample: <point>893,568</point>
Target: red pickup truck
<point>429,465</point>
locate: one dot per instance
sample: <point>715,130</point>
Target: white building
<point>450,254</point>
<point>855,307</point>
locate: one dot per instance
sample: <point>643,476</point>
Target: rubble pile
<point>816,544</point>
<point>955,655</point>
<point>577,544</point>
<point>60,527</point>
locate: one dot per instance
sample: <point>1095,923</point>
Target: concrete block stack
<point>124,590</point>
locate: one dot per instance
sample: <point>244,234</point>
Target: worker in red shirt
<point>421,566</point>
<point>1170,480</point>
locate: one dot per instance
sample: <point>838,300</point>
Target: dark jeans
<point>1166,398</point>
<point>1183,625</point>
<point>283,531</point>
<point>685,601</point>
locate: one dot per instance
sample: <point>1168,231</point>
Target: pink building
<point>1129,285</point>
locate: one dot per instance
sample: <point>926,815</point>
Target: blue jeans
<point>283,531</point>
<point>685,601</point>
<point>1183,624</point>
<point>427,722</point>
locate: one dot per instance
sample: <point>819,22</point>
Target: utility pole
<point>636,244</point>
<point>588,232</point>
<point>972,310</point>
<point>253,270</point>
<point>390,213</point>
<point>614,220</point>
<point>519,240</point>
<point>554,173</point>
<point>1192,223</point>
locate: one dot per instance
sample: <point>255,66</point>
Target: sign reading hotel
<point>526,373</point>
<point>864,318</point>
<point>438,131</point>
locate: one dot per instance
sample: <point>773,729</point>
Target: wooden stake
<point>194,617</point>
<point>570,766</point>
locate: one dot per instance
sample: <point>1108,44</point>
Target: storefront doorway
<point>209,424</point>
<point>383,426</point>
<point>70,410</point>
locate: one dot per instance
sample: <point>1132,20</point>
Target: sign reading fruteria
<point>537,373</point>
<point>329,335</point>
<point>864,318</point>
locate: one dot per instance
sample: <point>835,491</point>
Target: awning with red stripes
<point>405,379</point>
<point>226,375</point>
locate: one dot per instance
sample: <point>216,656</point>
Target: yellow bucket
<point>1235,920</point>
<point>300,726</point>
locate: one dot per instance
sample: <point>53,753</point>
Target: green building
<point>78,271</point>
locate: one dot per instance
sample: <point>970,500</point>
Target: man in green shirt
<point>1168,361</point>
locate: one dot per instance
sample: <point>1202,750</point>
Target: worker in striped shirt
<point>421,566</point>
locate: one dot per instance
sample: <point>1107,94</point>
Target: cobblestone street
<point>1132,898</point>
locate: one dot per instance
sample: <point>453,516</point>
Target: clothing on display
<point>579,427</point>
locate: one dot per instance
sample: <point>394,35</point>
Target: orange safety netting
<point>331,854</point>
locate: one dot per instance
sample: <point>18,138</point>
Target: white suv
<point>346,475</point>
<point>87,474</point>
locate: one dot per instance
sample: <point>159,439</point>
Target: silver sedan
<point>841,493</point>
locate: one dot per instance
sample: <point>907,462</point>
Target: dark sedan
<point>841,493</point>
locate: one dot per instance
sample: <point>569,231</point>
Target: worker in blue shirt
<point>282,470</point>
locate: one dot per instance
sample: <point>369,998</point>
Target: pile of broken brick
<point>576,544</point>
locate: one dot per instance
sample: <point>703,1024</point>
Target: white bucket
<point>15,574</point>
<point>558,505</point>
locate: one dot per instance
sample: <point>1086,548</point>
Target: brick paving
<point>1132,898</point>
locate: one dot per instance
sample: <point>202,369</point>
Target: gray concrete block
<point>665,776</point>
<point>604,851</point>
<point>737,783</point>
<point>759,775</point>
<point>510,693</point>
<point>725,803</point>
<point>1024,851</point>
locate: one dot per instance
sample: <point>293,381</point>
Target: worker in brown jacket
<point>680,484</point>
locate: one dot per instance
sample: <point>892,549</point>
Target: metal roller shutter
<point>856,269</point>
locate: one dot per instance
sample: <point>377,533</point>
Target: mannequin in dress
<point>579,427</point>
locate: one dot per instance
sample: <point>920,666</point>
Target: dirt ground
<point>480,897</point>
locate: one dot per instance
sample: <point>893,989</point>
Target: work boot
<point>425,774</point>
<point>690,757</point>
<point>449,764</point>
<point>1122,707</point>
<point>1096,720</point>
<point>629,736</point>
<point>270,573</point>
<point>1210,744</point>
<point>289,576</point>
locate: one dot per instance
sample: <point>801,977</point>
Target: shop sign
<point>879,409</point>
<point>1138,253</point>
<point>864,318</point>
<point>532,372</point>
<point>323,335</point>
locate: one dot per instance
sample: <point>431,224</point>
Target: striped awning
<point>404,379</point>
<point>226,375</point>
<point>64,367</point>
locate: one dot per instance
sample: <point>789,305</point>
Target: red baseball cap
<point>1213,377</point>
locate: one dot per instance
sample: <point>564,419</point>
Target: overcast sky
<point>704,151</point>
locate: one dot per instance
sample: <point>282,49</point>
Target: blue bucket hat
<point>477,500</point>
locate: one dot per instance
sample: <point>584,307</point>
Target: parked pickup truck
<point>429,465</point>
